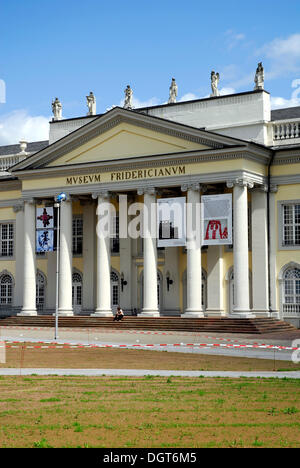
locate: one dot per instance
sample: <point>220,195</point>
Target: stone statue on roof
<point>215,78</point>
<point>173,90</point>
<point>128,98</point>
<point>57,109</point>
<point>91,103</point>
<point>259,79</point>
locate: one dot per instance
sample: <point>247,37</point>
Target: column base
<point>102,313</point>
<point>27,313</point>
<point>262,313</point>
<point>65,313</point>
<point>149,313</point>
<point>193,314</point>
<point>242,314</point>
<point>215,313</point>
<point>275,314</point>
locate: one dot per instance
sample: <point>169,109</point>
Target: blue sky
<point>68,48</point>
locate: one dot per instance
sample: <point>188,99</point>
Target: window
<point>291,225</point>
<point>6,289</point>
<point>291,291</point>
<point>40,291</point>
<point>7,239</point>
<point>115,241</point>
<point>114,288</point>
<point>76,291</point>
<point>77,235</point>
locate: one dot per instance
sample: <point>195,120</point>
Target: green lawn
<point>148,412</point>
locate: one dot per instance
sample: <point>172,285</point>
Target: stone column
<point>19,255</point>
<point>29,278</point>
<point>89,255</point>
<point>150,299</point>
<point>215,305</point>
<point>125,256</point>
<point>260,273</point>
<point>65,307</point>
<point>194,268</point>
<point>241,248</point>
<point>273,249</point>
<point>103,287</point>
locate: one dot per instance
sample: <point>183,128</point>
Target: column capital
<point>261,188</point>
<point>18,207</point>
<point>273,188</point>
<point>193,186</point>
<point>101,193</point>
<point>240,182</point>
<point>147,190</point>
<point>29,201</point>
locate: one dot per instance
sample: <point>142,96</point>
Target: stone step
<point>209,324</point>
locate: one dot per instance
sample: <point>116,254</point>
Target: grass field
<point>148,412</point>
<point>106,358</point>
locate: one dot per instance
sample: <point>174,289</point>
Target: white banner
<point>45,240</point>
<point>217,219</point>
<point>44,218</point>
<point>171,222</point>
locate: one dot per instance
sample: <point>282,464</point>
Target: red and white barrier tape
<point>45,345</point>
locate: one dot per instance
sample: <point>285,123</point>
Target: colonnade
<point>150,263</point>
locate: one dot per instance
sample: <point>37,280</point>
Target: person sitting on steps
<point>119,315</point>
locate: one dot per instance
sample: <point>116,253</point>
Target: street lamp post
<point>60,198</point>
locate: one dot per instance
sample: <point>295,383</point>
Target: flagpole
<point>60,198</point>
<point>57,205</point>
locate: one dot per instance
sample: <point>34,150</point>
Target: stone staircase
<point>216,325</point>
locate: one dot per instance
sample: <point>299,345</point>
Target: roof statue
<point>215,78</point>
<point>173,90</point>
<point>57,109</point>
<point>128,98</point>
<point>259,79</point>
<point>91,103</point>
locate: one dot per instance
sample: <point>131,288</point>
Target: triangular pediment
<point>121,134</point>
<point>126,141</point>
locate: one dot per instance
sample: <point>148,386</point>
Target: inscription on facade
<point>126,175</point>
<point>85,179</point>
<point>147,173</point>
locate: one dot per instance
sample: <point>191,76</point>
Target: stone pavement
<point>145,372</point>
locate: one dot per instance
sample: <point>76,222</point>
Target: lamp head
<point>61,197</point>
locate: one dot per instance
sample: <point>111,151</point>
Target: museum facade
<point>220,145</point>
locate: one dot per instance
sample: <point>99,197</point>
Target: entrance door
<point>77,293</point>
<point>115,291</point>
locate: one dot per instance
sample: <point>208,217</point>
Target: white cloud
<point>188,97</point>
<point>279,102</point>
<point>18,125</point>
<point>224,91</point>
<point>284,56</point>
<point>233,39</point>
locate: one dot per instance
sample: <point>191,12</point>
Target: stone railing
<point>8,161</point>
<point>286,130</point>
<point>290,310</point>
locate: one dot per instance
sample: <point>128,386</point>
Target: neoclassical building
<point>230,144</point>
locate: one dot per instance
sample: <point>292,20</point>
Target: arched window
<point>115,291</point>
<point>77,292</point>
<point>40,291</point>
<point>6,289</point>
<point>291,291</point>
